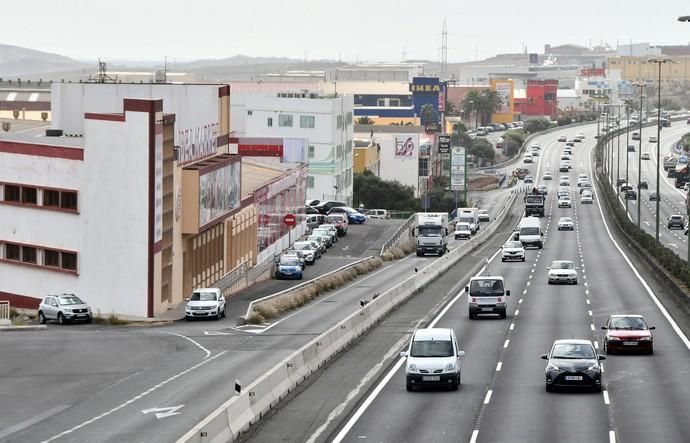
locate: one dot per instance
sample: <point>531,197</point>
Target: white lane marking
<point>588,302</point>
<point>520,301</point>
<point>475,434</point>
<point>653,296</point>
<point>507,342</point>
<point>590,313</point>
<point>311,305</point>
<point>499,365</point>
<point>512,326</point>
<point>133,399</point>
<point>517,312</point>
<point>596,344</point>
<point>612,436</point>
<point>164,412</point>
<point>587,291</point>
<point>33,420</point>
<point>606,397</point>
<point>591,326</point>
<point>487,399</point>
<point>208,353</point>
<point>377,390</point>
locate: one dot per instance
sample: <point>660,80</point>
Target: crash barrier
<point>249,406</point>
<point>400,235</point>
<point>5,313</point>
<point>313,282</point>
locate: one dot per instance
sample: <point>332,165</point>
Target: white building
<point>326,123</point>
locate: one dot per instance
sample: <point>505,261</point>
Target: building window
<point>12,251</point>
<point>423,167</point>
<point>311,151</point>
<point>269,122</point>
<point>394,102</point>
<point>29,195</point>
<point>69,261</point>
<point>28,254</point>
<point>310,181</point>
<point>68,200</point>
<point>51,198</point>
<point>381,102</point>
<point>285,121</point>
<point>51,258</point>
<point>12,193</point>
<point>307,121</point>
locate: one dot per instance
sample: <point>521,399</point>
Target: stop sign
<point>289,220</point>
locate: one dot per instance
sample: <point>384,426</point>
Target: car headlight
<point>412,367</point>
<point>450,366</point>
<point>593,368</point>
<point>646,339</point>
<point>612,338</point>
<point>553,367</point>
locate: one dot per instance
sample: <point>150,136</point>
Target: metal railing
<point>400,234</point>
<point>244,275</point>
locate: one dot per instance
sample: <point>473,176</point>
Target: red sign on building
<point>593,72</point>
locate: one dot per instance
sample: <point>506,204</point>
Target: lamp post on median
<point>639,156</point>
<point>627,156</point>
<point>658,61</point>
<point>686,18</point>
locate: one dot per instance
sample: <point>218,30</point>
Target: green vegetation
<point>513,141</point>
<point>536,124</point>
<point>685,142</point>
<point>369,189</point>
<point>482,149</point>
<point>459,136</point>
<point>428,115</point>
<point>564,120</point>
<point>485,103</point>
<point>442,199</point>
<point>364,120</point>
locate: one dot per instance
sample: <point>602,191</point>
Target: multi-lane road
<point>645,397</point>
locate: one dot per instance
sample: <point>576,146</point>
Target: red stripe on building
<point>20,301</point>
<point>12,147</point>
<point>106,117</point>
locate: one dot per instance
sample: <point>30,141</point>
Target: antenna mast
<point>444,50</point>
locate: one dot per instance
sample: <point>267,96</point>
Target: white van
<point>530,233</point>
<point>470,216</point>
<point>433,358</point>
<point>486,294</point>
<point>481,131</point>
<point>528,158</point>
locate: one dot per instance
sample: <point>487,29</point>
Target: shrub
<point>255,318</point>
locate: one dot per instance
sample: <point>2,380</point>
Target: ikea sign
<point>425,88</point>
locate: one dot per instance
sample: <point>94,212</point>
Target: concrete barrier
<point>239,412</point>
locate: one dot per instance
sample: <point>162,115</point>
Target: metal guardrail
<point>243,276</point>
<point>400,233</point>
<point>5,313</point>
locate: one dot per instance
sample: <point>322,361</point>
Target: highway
<point>672,199</point>
<point>645,397</point>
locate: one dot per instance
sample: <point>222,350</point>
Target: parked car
<point>340,222</point>
<point>327,230</point>
<point>288,267</point>
<point>301,256</point>
<point>325,206</point>
<point>573,363</point>
<point>325,236</point>
<point>63,308</point>
<point>310,251</point>
<point>377,213</point>
<point>320,240</point>
<point>628,333</point>
<point>353,216</point>
<point>205,303</point>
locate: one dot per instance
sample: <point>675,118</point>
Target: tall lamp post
<point>658,61</point>
<point>627,156</point>
<point>686,18</point>
<point>639,155</point>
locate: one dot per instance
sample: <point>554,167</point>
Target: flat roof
<point>257,172</point>
<point>38,136</point>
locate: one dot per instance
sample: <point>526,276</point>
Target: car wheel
<point>454,385</point>
<point>502,315</point>
<point>223,311</point>
<point>503,259</point>
<point>549,388</point>
<point>89,320</point>
<point>651,351</point>
<point>187,318</point>
<point>219,315</point>
<point>523,259</point>
<point>597,388</point>
<point>41,318</point>
<point>410,387</point>
<point>60,318</point>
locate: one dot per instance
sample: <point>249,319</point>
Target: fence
<point>400,234</point>
<point>245,275</point>
<point>5,313</point>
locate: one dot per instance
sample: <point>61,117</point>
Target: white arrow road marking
<point>216,333</point>
<point>345,248</point>
<point>164,412</point>
<point>673,245</point>
<point>646,223</point>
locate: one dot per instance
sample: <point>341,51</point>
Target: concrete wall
<point>394,166</point>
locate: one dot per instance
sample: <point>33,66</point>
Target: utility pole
<point>659,62</point>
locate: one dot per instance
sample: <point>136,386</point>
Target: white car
<point>547,176</point>
<point>528,179</point>
<point>581,135</point>
<point>562,271</point>
<point>512,250</point>
<point>433,358</point>
<point>528,158</point>
<point>644,156</point>
<point>566,224</point>
<point>483,215</point>
<point>462,230</point>
<point>586,198</point>
<point>582,177</point>
<point>205,303</point>
<point>564,202</point>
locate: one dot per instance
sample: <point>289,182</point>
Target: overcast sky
<point>372,30</point>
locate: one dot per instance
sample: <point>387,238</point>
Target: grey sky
<point>356,30</point>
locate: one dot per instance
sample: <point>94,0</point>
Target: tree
<point>369,189</point>
<point>564,120</point>
<point>428,115</point>
<point>513,141</point>
<point>459,136</point>
<point>442,199</point>
<point>536,124</point>
<point>485,103</point>
<point>482,149</point>
<point>364,120</point>
<point>451,110</point>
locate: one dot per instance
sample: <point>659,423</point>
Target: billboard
<point>219,192</point>
<point>504,89</point>
<point>405,146</point>
<point>458,159</point>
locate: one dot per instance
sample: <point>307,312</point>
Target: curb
<point>20,328</point>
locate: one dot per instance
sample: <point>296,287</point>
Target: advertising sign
<point>504,89</point>
<point>444,144</point>
<point>219,192</point>
<point>158,181</point>
<point>458,159</point>
<point>404,146</point>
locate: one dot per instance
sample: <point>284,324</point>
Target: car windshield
<point>287,260</point>
<point>316,238</point>
<point>630,323</point>
<point>562,265</point>
<point>203,296</point>
<point>513,244</point>
<point>431,348</point>
<point>302,246</point>
<point>334,219</point>
<point>463,227</point>
<point>69,300</point>
<point>531,230</point>
<point>534,199</point>
<point>573,351</point>
<point>566,220</point>
<point>487,286</point>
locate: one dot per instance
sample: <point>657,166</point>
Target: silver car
<point>63,308</point>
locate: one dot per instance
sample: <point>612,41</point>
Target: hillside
<point>17,61</point>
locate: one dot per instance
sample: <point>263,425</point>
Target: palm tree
<point>364,120</point>
<point>485,103</point>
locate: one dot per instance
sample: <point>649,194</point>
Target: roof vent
<point>53,132</point>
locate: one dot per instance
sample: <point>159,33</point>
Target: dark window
<point>29,195</point>
<point>51,258</point>
<point>28,254</point>
<point>68,200</point>
<point>12,193</point>
<point>69,261</point>
<point>51,198</point>
<point>11,251</point>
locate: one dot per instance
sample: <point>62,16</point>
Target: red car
<point>628,333</point>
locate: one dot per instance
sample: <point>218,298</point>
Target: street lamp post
<point>659,62</point>
<point>627,157</point>
<point>639,156</point>
<point>686,18</point>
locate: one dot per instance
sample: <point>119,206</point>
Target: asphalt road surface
<point>645,397</point>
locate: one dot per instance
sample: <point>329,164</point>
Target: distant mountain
<point>235,60</point>
<point>17,61</point>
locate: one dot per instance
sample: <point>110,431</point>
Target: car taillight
<point>474,300</point>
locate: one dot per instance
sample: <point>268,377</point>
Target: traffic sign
<point>289,220</point>
<point>444,144</point>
